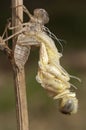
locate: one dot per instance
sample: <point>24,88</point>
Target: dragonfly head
<point>41,15</point>
<point>69,105</point>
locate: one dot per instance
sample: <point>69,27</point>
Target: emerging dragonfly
<point>51,75</point>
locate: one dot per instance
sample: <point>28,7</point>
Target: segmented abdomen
<point>21,54</point>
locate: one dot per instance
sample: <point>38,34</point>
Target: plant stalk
<point>19,74</point>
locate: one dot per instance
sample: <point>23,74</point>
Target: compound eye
<point>69,107</point>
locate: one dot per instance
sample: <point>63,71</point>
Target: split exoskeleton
<point>51,75</point>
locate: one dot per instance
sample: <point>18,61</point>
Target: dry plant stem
<point>19,74</point>
<point>21,103</point>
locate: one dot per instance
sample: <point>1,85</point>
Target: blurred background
<point>67,22</point>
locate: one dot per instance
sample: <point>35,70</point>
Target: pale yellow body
<point>51,74</point>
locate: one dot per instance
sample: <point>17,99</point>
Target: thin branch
<point>19,74</point>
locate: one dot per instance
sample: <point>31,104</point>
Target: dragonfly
<point>51,75</point>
